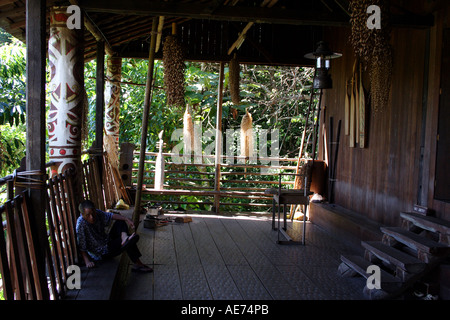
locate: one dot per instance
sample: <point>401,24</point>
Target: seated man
<point>95,244</point>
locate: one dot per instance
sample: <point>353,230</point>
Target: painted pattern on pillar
<point>112,109</point>
<point>66,86</point>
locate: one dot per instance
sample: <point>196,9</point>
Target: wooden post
<point>145,118</point>
<point>99,104</point>
<point>66,59</point>
<point>35,109</point>
<point>112,108</point>
<point>218,139</point>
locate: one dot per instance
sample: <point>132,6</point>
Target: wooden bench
<point>99,283</point>
<point>393,256</point>
<point>104,281</point>
<point>389,283</point>
<point>432,224</point>
<point>415,241</point>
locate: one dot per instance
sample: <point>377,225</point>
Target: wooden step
<point>395,257</point>
<point>426,222</point>
<point>415,241</point>
<point>389,283</point>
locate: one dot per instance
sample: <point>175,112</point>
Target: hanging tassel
<point>188,133</point>
<point>247,135</point>
<point>160,165</point>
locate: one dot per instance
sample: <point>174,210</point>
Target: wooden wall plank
<point>381,180</point>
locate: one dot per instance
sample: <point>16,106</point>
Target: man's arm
<point>117,216</point>
<point>87,260</point>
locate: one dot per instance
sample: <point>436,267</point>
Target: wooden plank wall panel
<point>441,208</point>
<point>381,180</point>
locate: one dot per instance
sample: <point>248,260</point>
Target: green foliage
<point>12,105</point>
<point>12,84</point>
<point>12,147</point>
<point>5,37</point>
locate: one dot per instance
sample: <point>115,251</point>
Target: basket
<point>305,171</point>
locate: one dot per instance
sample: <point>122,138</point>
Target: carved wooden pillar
<point>66,59</point>
<point>112,97</point>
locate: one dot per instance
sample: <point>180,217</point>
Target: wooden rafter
<point>12,12</point>
<point>94,30</point>
<point>275,15</point>
<point>241,37</point>
<point>225,12</point>
<point>6,2</point>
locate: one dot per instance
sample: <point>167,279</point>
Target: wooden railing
<point>19,243</point>
<point>105,188</point>
<point>21,278</point>
<point>242,182</point>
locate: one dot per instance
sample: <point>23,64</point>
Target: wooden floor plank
<point>229,258</point>
<point>248,283</point>
<point>227,247</point>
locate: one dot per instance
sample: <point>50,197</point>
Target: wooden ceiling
<point>272,31</point>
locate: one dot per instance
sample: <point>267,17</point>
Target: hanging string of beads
<point>174,67</point>
<point>372,47</point>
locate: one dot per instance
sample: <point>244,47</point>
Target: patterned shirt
<point>92,238</point>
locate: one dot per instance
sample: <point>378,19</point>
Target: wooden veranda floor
<point>237,258</point>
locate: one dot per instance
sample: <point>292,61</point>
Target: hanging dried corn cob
<point>234,79</point>
<point>174,68</point>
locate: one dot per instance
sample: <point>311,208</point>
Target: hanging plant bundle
<point>247,135</point>
<point>174,67</point>
<point>188,132</point>
<point>234,79</point>
<point>372,47</point>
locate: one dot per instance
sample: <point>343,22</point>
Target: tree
<point>12,105</point>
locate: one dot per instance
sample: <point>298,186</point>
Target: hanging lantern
<point>322,55</point>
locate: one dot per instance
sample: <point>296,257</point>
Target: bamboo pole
<point>311,98</point>
<point>317,125</point>
<point>218,138</point>
<point>145,118</point>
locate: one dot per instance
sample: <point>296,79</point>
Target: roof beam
<point>12,12</point>
<point>6,2</point>
<point>275,15</point>
<point>228,13</point>
<point>95,31</point>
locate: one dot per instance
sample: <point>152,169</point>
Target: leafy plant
<point>12,105</point>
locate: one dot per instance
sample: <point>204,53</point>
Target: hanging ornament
<point>188,132</point>
<point>234,79</point>
<point>247,135</point>
<point>174,67</point>
<point>373,48</point>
